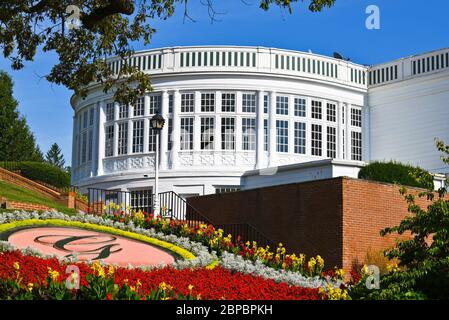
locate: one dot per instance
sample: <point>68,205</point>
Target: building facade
<point>233,110</point>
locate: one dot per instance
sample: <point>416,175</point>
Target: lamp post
<point>157,123</point>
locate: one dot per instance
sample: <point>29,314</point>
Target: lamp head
<point>157,122</point>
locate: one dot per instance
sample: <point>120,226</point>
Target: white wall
<point>407,116</point>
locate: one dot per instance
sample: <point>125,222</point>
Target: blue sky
<point>407,27</point>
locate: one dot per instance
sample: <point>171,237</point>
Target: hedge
<point>40,172</point>
<point>395,172</point>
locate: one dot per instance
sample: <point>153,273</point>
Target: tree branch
<point>110,8</point>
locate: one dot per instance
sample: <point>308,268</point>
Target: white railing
<point>411,67</point>
<point>247,59</point>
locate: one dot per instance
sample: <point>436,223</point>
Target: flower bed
<point>246,262</point>
<point>216,241</point>
<point>29,277</point>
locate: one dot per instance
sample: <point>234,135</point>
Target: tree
<point>55,157</point>
<point>107,28</point>
<point>17,142</point>
<point>424,258</point>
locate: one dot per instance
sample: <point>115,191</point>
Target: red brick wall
<point>81,205</point>
<point>306,217</point>
<point>27,206</point>
<point>340,218</point>
<point>368,208</point>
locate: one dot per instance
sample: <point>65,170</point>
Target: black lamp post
<point>157,123</point>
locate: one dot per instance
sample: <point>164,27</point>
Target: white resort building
<point>245,117</point>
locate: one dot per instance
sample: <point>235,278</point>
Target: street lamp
<point>157,123</point>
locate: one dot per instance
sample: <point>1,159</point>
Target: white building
<point>232,110</point>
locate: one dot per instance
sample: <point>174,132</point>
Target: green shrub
<point>394,172</point>
<point>40,172</point>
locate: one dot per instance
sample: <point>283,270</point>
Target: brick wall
<point>339,218</point>
<point>369,207</point>
<point>26,206</point>
<point>306,217</point>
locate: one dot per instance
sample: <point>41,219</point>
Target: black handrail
<point>172,206</point>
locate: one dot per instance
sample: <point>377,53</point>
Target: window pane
<point>186,134</point>
<point>207,102</point>
<point>300,137</point>
<point>155,104</point>
<point>109,141</point>
<point>123,111</point>
<point>249,133</point>
<point>249,102</point>
<point>228,102</point>
<point>282,105</point>
<point>356,117</point>
<point>316,109</point>
<point>138,136</point>
<point>331,112</point>
<point>110,110</point>
<point>282,136</point>
<point>207,133</point>
<point>331,142</point>
<point>316,140</point>
<point>356,146</point>
<point>228,133</point>
<point>123,138</point>
<point>139,108</point>
<point>300,107</point>
<point>187,102</point>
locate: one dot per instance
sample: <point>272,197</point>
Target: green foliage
<point>40,172</point>
<point>16,193</point>
<point>17,142</point>
<point>394,172</point>
<point>107,28</point>
<point>424,258</point>
<point>55,157</point>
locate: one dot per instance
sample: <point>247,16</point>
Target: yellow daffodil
<point>16,266</point>
<point>53,274</point>
<point>111,271</point>
<point>163,286</point>
<point>30,287</point>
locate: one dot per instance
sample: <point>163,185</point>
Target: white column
<point>156,208</point>
<point>75,150</point>
<point>197,133</point>
<point>260,131</point>
<point>164,134</point>
<point>340,127</point>
<point>272,130</point>
<point>146,124</point>
<point>101,118</point>
<point>175,136</point>
<point>130,136</point>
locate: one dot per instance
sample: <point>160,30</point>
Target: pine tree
<point>55,157</point>
<point>17,142</point>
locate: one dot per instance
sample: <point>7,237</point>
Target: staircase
<point>172,207</point>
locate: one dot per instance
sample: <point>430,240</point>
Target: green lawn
<point>16,193</point>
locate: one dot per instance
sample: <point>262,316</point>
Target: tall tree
<point>104,28</point>
<point>55,157</point>
<point>17,142</point>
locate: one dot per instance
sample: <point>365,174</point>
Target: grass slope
<point>16,193</point>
